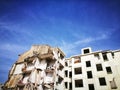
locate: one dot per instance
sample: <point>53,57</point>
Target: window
<point>105,56</point>
<point>66,85</point>
<point>102,81</point>
<point>86,51</point>
<point>61,67</point>
<point>70,74</point>
<point>79,83</point>
<point>89,74</point>
<point>88,64</point>
<point>56,83</point>
<point>60,80</point>
<point>66,64</point>
<point>91,86</point>
<point>66,73</point>
<point>61,56</point>
<point>99,67</point>
<point>78,70</point>
<point>70,86</point>
<point>108,69</point>
<point>112,53</point>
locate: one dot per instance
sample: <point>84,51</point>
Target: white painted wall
<point>18,68</point>
<point>114,63</point>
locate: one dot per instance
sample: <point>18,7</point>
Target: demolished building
<point>40,68</point>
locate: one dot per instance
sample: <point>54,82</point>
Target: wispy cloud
<point>70,48</point>
<point>14,27</point>
<point>12,50</point>
<point>12,47</point>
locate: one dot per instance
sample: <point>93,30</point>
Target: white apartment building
<point>98,70</point>
<point>40,68</point>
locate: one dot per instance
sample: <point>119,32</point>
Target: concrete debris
<point>36,69</point>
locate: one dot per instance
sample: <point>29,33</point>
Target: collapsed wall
<point>40,68</point>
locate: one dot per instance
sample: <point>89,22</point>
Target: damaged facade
<point>1,86</point>
<point>44,68</point>
<point>40,68</point>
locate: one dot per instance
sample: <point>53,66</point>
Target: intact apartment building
<point>44,68</point>
<point>98,70</point>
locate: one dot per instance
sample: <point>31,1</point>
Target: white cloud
<point>71,48</point>
<point>11,47</point>
<point>14,27</point>
<point>11,50</point>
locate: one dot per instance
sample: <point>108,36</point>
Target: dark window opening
<point>66,64</point>
<point>99,67</point>
<point>61,56</point>
<point>56,83</point>
<point>78,70</point>
<point>70,74</point>
<point>60,80</point>
<point>66,73</point>
<point>86,51</point>
<point>66,86</point>
<point>112,53</point>
<point>91,86</point>
<point>88,64</point>
<point>61,67</point>
<point>79,83</point>
<point>108,69</point>
<point>102,81</point>
<point>105,56</point>
<point>70,86</point>
<point>89,74</point>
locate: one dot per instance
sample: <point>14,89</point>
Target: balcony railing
<point>20,84</point>
<point>48,80</point>
<point>46,56</point>
<point>61,62</point>
<point>61,73</point>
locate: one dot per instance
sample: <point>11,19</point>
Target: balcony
<point>77,61</point>
<point>48,80</point>
<point>46,56</point>
<point>25,71</point>
<point>50,69</point>
<point>67,79</point>
<point>62,62</point>
<point>20,84</point>
<point>29,59</point>
<point>61,73</point>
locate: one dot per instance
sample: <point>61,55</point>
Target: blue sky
<point>68,24</point>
